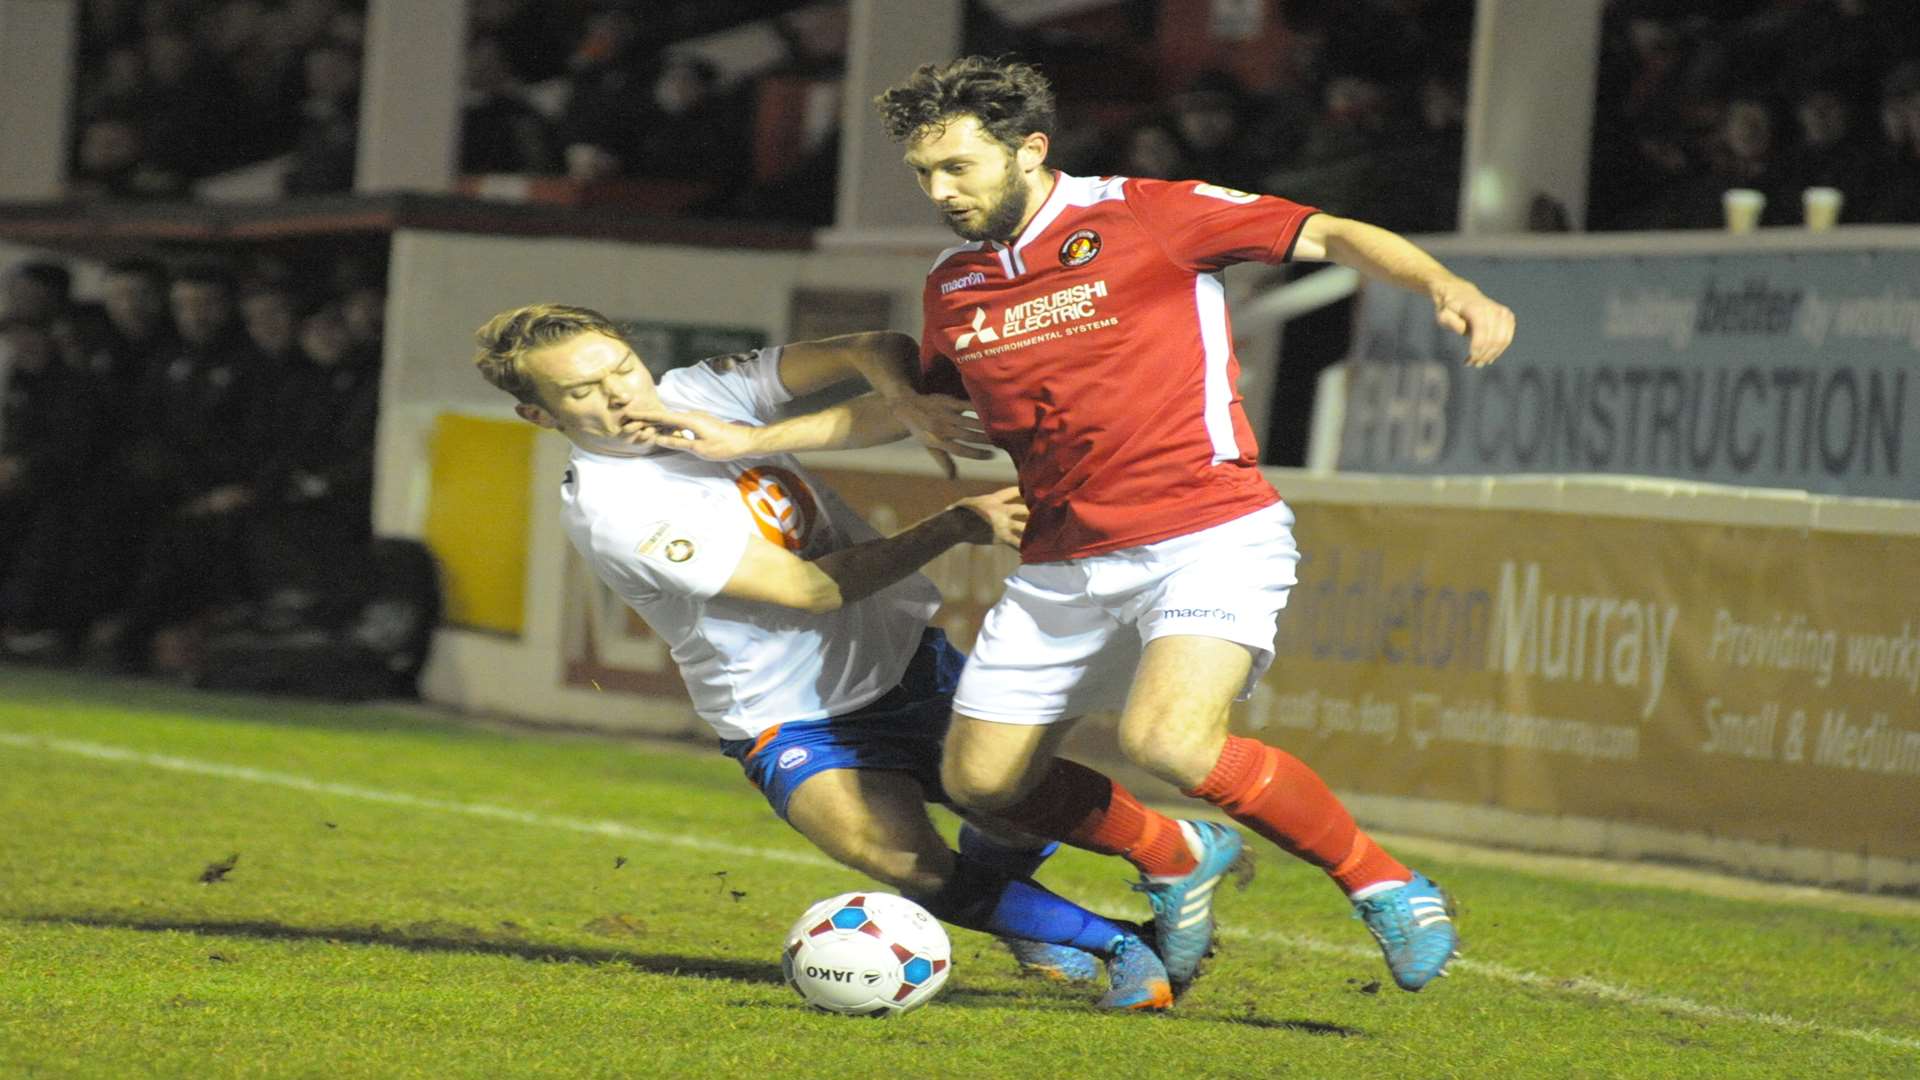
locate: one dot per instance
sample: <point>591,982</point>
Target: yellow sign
<point>477,519</point>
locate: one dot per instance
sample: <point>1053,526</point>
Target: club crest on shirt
<point>658,542</point>
<point>1080,248</point>
<point>781,505</point>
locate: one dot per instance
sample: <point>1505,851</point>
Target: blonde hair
<point>506,339</point>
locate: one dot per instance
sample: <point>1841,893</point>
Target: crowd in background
<point>191,449</point>
<point>170,92</point>
<point>1361,115</point>
<point>1364,116</point>
<point>1772,95</point>
<point>173,92</point>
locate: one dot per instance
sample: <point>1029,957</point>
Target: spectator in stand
<point>688,129</point>
<point>113,82</point>
<point>185,108</point>
<point>500,131</point>
<point>1425,160</point>
<point>236,36</point>
<point>537,37</point>
<point>1152,148</point>
<point>1829,150</point>
<point>608,73</point>
<point>264,48</point>
<point>189,472</point>
<point>111,163</point>
<point>363,304</point>
<point>1209,116</point>
<point>47,427</point>
<point>131,326</point>
<point>315,484</point>
<point>267,311</point>
<point>1640,148</point>
<point>1343,166</point>
<point>1743,155</point>
<point>1895,197</point>
<point>38,292</point>
<point>323,156</point>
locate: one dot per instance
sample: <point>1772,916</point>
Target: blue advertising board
<point>1785,370</point>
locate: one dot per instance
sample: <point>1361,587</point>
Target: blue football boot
<point>1183,909</point>
<point>1136,979</point>
<point>1414,925</point>
<point>1061,963</point>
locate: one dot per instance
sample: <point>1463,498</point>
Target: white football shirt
<point>666,531</point>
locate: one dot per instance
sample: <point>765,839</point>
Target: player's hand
<point>945,425</point>
<point>700,434</point>
<point>1487,324</point>
<point>1000,517</point>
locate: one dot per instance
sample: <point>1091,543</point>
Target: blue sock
<point>977,847</point>
<point>980,898</point>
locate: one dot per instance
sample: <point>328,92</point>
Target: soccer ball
<point>867,954</point>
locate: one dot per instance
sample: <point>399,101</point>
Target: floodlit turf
<point>413,898</point>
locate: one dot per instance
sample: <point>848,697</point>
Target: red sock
<point>1276,795</point>
<point>1089,810</point>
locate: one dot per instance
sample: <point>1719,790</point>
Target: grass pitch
<point>206,886</point>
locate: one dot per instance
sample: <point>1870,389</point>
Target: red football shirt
<point>1097,350</point>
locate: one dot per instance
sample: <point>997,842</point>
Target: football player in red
<point>1083,318</point>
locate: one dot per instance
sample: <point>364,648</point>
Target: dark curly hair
<point>1010,99</point>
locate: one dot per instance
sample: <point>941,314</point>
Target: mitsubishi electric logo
<point>1058,314</point>
<point>980,331</point>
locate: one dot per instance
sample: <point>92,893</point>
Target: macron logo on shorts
<point>1221,614</point>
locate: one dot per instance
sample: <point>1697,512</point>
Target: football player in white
<point>801,633</point>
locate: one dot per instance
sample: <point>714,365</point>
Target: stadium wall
<point>1623,667</point>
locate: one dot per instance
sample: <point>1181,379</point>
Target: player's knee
<point>980,786</point>
<point>1181,753</point>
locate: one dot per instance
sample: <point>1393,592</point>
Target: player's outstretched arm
<point>1458,304</point>
<point>868,420</point>
<point>774,575</point>
<point>886,359</point>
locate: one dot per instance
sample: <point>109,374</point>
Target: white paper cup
<point>1742,206</point>
<point>1820,207</point>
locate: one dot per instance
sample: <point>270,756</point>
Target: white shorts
<point>1066,637</point>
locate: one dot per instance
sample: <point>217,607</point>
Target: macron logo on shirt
<point>961,282</point>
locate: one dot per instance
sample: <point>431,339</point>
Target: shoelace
<point>1392,904</point>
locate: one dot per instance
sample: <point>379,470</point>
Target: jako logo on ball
<point>866,954</point>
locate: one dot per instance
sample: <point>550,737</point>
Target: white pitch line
<point>1586,987</point>
<point>1582,986</point>
<point>102,752</point>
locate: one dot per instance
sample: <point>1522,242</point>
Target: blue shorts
<point>900,732</point>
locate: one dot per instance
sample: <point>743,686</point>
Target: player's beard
<point>999,220</point>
